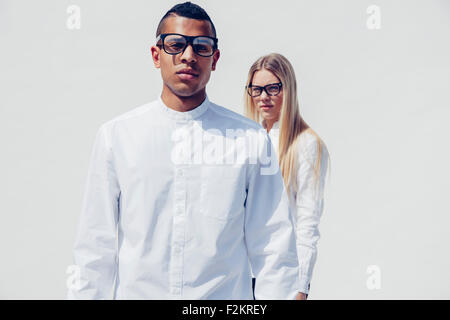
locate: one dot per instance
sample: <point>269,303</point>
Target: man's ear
<point>155,56</point>
<point>216,57</point>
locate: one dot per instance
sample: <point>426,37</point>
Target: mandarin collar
<point>186,115</point>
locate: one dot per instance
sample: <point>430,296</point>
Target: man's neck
<point>182,104</point>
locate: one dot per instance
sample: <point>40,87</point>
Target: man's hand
<point>300,296</point>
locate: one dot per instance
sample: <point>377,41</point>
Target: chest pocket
<point>223,191</point>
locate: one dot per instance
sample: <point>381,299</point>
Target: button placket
<point>179,217</point>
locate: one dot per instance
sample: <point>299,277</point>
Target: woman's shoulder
<point>310,144</point>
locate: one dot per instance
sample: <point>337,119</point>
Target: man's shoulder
<point>238,119</point>
<point>131,114</point>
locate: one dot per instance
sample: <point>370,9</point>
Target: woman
<point>271,96</point>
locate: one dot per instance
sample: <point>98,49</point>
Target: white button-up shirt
<point>177,207</point>
<point>307,201</point>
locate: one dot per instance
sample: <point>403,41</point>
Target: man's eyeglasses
<point>174,43</point>
<point>272,89</point>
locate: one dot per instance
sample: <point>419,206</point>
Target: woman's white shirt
<point>307,202</point>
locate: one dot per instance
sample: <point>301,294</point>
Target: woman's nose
<point>264,95</point>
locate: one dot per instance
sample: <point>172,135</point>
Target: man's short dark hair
<point>187,10</point>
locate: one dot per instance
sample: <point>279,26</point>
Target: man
<point>169,212</point>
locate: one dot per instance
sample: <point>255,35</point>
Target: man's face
<point>185,74</point>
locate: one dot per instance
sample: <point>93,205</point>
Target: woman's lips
<point>266,107</point>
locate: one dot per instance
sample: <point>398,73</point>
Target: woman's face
<point>268,106</point>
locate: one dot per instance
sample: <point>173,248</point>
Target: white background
<point>378,98</point>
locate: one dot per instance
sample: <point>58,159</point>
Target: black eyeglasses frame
<point>189,40</point>
<point>250,86</point>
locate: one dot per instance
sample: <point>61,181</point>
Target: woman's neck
<point>269,124</point>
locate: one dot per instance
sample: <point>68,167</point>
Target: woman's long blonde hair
<point>292,124</point>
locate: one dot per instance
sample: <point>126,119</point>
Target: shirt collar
<point>276,124</point>
<point>186,115</point>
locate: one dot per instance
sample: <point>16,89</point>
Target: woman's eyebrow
<point>269,84</point>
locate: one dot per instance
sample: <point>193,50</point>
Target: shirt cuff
<point>304,284</point>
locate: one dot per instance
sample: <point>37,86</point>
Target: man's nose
<point>188,55</point>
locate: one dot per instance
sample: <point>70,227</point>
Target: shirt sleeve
<point>94,252</point>
<point>309,204</point>
<point>269,231</point>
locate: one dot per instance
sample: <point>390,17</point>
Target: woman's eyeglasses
<point>174,43</point>
<point>272,89</point>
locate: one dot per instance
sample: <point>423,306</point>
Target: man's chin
<point>186,92</point>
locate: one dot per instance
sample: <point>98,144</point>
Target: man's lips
<point>187,74</point>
